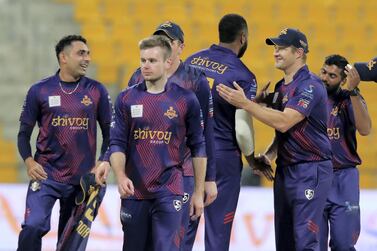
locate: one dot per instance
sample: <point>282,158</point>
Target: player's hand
<point>101,172</point>
<point>210,190</point>
<point>34,170</point>
<point>196,205</point>
<point>125,187</point>
<point>261,97</point>
<point>235,96</point>
<point>353,77</point>
<point>262,166</point>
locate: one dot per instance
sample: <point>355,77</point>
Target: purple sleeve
<point>104,120</point>
<point>119,127</point>
<point>305,99</point>
<point>23,140</point>
<point>30,109</point>
<point>205,100</point>
<point>194,129</point>
<point>250,88</point>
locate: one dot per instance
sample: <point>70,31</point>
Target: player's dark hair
<point>67,41</point>
<point>230,26</point>
<point>339,61</point>
<point>157,41</point>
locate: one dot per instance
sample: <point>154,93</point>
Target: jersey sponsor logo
<point>209,64</point>
<point>304,103</point>
<point>177,205</point>
<point>155,137</point>
<point>136,111</point>
<point>171,113</point>
<point>309,194</point>
<point>86,101</point>
<point>74,123</point>
<point>54,101</point>
<point>333,133</point>
<point>35,186</point>
<point>185,198</point>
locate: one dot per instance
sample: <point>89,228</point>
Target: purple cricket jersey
<point>66,143</point>
<point>221,65</point>
<point>191,79</point>
<point>152,129</point>
<point>307,140</point>
<point>342,131</point>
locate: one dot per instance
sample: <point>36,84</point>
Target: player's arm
<point>30,113</point>
<point>118,147</point>
<point>245,134</point>
<point>279,120</point>
<point>206,104</point>
<point>363,122</point>
<point>104,114</point>
<point>195,142</point>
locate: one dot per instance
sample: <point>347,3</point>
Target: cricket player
<point>154,122</point>
<point>304,169</point>
<point>221,64</point>
<point>194,80</point>
<point>66,107</point>
<point>348,113</point>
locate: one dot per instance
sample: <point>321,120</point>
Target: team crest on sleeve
<point>54,101</point>
<point>177,204</point>
<point>136,111</point>
<point>309,194</point>
<point>86,101</point>
<point>171,113</point>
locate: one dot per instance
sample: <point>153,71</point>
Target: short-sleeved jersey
<point>221,65</point>
<point>342,131</point>
<point>307,140</point>
<point>66,143</point>
<point>194,80</point>
<point>152,130</point>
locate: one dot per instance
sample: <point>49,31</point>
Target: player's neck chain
<point>66,92</point>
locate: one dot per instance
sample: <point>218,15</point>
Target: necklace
<point>61,88</point>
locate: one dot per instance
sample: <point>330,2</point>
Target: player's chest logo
<point>54,101</point>
<point>334,111</point>
<point>136,111</point>
<point>86,101</point>
<point>171,113</point>
<point>309,194</point>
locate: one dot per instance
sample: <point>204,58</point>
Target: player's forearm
<point>199,164</point>
<point>363,122</point>
<point>271,117</point>
<point>118,164</point>
<point>244,132</point>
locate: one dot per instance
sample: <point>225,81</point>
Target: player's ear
<point>344,80</point>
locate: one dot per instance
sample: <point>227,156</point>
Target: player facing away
<point>347,113</point>
<point>304,169</point>
<point>194,80</point>
<point>153,122</point>
<point>66,107</point>
<point>221,63</point>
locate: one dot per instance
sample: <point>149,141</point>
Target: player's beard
<point>331,90</point>
<point>242,50</point>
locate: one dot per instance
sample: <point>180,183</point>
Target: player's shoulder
<point>44,81</point>
<point>192,72</point>
<point>178,91</point>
